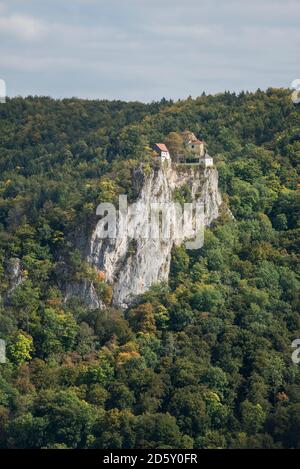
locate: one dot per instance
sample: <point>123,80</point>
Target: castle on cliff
<point>194,151</point>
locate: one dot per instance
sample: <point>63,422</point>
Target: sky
<point>147,49</point>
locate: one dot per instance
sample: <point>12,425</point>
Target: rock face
<point>14,273</point>
<point>131,266</point>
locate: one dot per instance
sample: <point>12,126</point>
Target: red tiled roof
<point>162,147</point>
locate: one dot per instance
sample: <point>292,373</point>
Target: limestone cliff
<point>131,267</point>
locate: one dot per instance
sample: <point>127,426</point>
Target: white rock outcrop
<point>131,267</point>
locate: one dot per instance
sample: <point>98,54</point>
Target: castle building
<point>161,151</point>
<point>195,151</point>
<point>206,161</point>
<point>196,147</point>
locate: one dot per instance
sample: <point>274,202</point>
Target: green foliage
<point>21,348</point>
<point>202,362</point>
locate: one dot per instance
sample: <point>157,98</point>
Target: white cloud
<point>22,27</point>
<point>30,63</point>
<point>2,7</point>
<point>145,48</point>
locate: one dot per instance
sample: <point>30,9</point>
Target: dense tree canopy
<point>203,362</point>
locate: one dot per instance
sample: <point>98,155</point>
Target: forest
<point>204,361</point>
